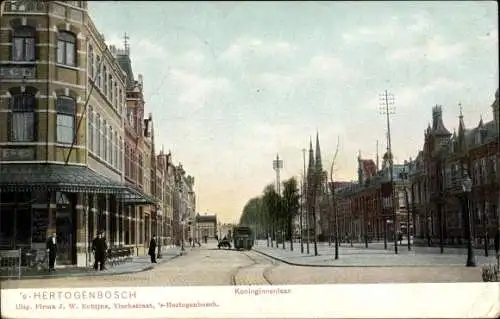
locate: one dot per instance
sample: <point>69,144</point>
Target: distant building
<point>206,225</point>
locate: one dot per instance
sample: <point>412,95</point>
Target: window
<point>115,157</point>
<point>90,129</point>
<point>110,86</point>
<point>23,44</point>
<point>98,135</point>
<point>66,111</point>
<point>111,146</point>
<point>105,140</point>
<point>115,96</point>
<point>90,62</point>
<point>22,118</point>
<point>120,155</point>
<point>99,71</point>
<point>66,48</point>
<point>105,80</point>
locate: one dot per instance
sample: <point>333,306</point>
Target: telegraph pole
<point>277,166</point>
<point>305,192</point>
<point>387,108</point>
<point>300,216</point>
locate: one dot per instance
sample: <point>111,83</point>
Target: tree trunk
<point>314,231</point>
<point>290,228</point>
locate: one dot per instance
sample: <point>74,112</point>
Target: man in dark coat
<point>52,250</point>
<point>99,246</point>
<point>152,249</point>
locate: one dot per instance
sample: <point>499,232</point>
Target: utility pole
<point>305,192</point>
<point>334,206</point>
<point>387,108</point>
<point>300,216</point>
<point>277,166</point>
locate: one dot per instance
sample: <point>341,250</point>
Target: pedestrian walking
<point>52,251</point>
<point>152,249</point>
<point>99,247</point>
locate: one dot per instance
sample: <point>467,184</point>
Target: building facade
<point>206,226</point>
<point>77,153</point>
<point>436,178</point>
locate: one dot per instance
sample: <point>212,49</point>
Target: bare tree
<point>334,206</point>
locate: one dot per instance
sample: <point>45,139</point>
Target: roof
<point>53,177</point>
<point>66,178</point>
<point>206,218</point>
<point>126,65</point>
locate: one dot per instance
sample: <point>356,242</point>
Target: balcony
<point>25,6</point>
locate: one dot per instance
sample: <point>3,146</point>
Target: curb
<point>351,266</point>
<point>94,274</point>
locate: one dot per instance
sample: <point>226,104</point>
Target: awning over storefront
<point>131,195</point>
<point>55,178</point>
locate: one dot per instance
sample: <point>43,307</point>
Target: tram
<point>243,237</point>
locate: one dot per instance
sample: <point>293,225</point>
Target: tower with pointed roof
<point>461,141</point>
<point>318,163</point>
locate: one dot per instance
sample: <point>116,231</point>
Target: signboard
<point>17,72</point>
<point>17,154</point>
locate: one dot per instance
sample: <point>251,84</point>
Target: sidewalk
<point>360,257</point>
<point>403,248</point>
<point>138,264</point>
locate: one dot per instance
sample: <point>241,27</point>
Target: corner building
<point>62,164</point>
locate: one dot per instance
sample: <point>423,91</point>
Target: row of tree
<point>271,214</point>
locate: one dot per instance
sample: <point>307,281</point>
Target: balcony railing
<point>24,6</point>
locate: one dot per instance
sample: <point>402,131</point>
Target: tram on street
<point>243,237</point>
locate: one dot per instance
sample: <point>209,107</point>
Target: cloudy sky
<point>230,84</point>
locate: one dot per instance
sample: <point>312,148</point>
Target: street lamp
<point>467,186</point>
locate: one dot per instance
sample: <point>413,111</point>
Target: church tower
<point>318,162</point>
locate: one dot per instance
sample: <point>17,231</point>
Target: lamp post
<point>467,186</point>
<point>404,176</point>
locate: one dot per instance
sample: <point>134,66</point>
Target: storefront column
<point>117,213</point>
<point>121,239</point>
<point>108,216</point>
<point>52,210</point>
<point>82,213</point>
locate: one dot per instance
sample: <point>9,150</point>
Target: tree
<point>271,199</point>
<point>290,207</point>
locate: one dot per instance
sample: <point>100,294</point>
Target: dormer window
<point>478,137</point>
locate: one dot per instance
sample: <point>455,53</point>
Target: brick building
<point>436,181</point>
<point>77,153</point>
<point>364,208</point>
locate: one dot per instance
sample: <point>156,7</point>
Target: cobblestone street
<point>210,266</point>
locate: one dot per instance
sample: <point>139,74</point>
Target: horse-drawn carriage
<point>224,243</point>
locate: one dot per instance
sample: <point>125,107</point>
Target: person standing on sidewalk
<point>52,250</point>
<point>99,246</point>
<point>152,249</point>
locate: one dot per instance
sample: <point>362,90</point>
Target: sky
<point>231,84</point>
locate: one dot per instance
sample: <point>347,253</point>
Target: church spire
<point>461,131</point>
<point>318,162</point>
<point>311,155</point>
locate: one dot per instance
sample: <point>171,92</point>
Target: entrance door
<point>65,245</point>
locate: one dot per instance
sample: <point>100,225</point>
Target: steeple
<point>318,162</point>
<point>461,143</point>
<point>496,109</point>
<point>360,169</point>
<point>438,127</point>
<point>311,155</point>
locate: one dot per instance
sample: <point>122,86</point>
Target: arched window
<point>105,140</point>
<point>22,122</point>
<point>105,80</point>
<point>90,129</point>
<point>90,62</point>
<point>66,113</point>
<point>66,48</point>
<point>99,71</point>
<point>98,135</point>
<point>110,86</point>
<point>23,44</point>
<point>111,146</point>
